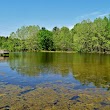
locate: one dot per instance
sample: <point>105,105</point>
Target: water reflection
<point>86,68</point>
<point>3,59</point>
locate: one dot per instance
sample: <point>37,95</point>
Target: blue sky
<point>48,13</point>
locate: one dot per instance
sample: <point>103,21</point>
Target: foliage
<point>87,36</point>
<point>45,39</point>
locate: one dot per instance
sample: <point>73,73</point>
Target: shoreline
<point>59,51</point>
<point>101,53</point>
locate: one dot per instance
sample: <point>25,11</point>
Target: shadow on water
<point>26,91</point>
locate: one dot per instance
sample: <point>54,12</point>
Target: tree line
<point>86,36</point>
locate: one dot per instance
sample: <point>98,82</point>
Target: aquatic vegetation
<point>2,95</point>
<point>53,97</point>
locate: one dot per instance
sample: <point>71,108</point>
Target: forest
<point>86,36</point>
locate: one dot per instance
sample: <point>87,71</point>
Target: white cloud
<point>90,14</point>
<point>102,15</point>
<point>93,15</point>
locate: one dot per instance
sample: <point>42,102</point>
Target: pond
<point>55,81</point>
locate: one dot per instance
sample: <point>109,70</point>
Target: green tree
<point>45,39</point>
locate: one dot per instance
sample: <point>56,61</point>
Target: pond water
<point>46,81</point>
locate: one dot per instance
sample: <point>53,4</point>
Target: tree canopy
<point>87,36</point>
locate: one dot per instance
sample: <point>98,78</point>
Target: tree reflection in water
<point>87,68</point>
